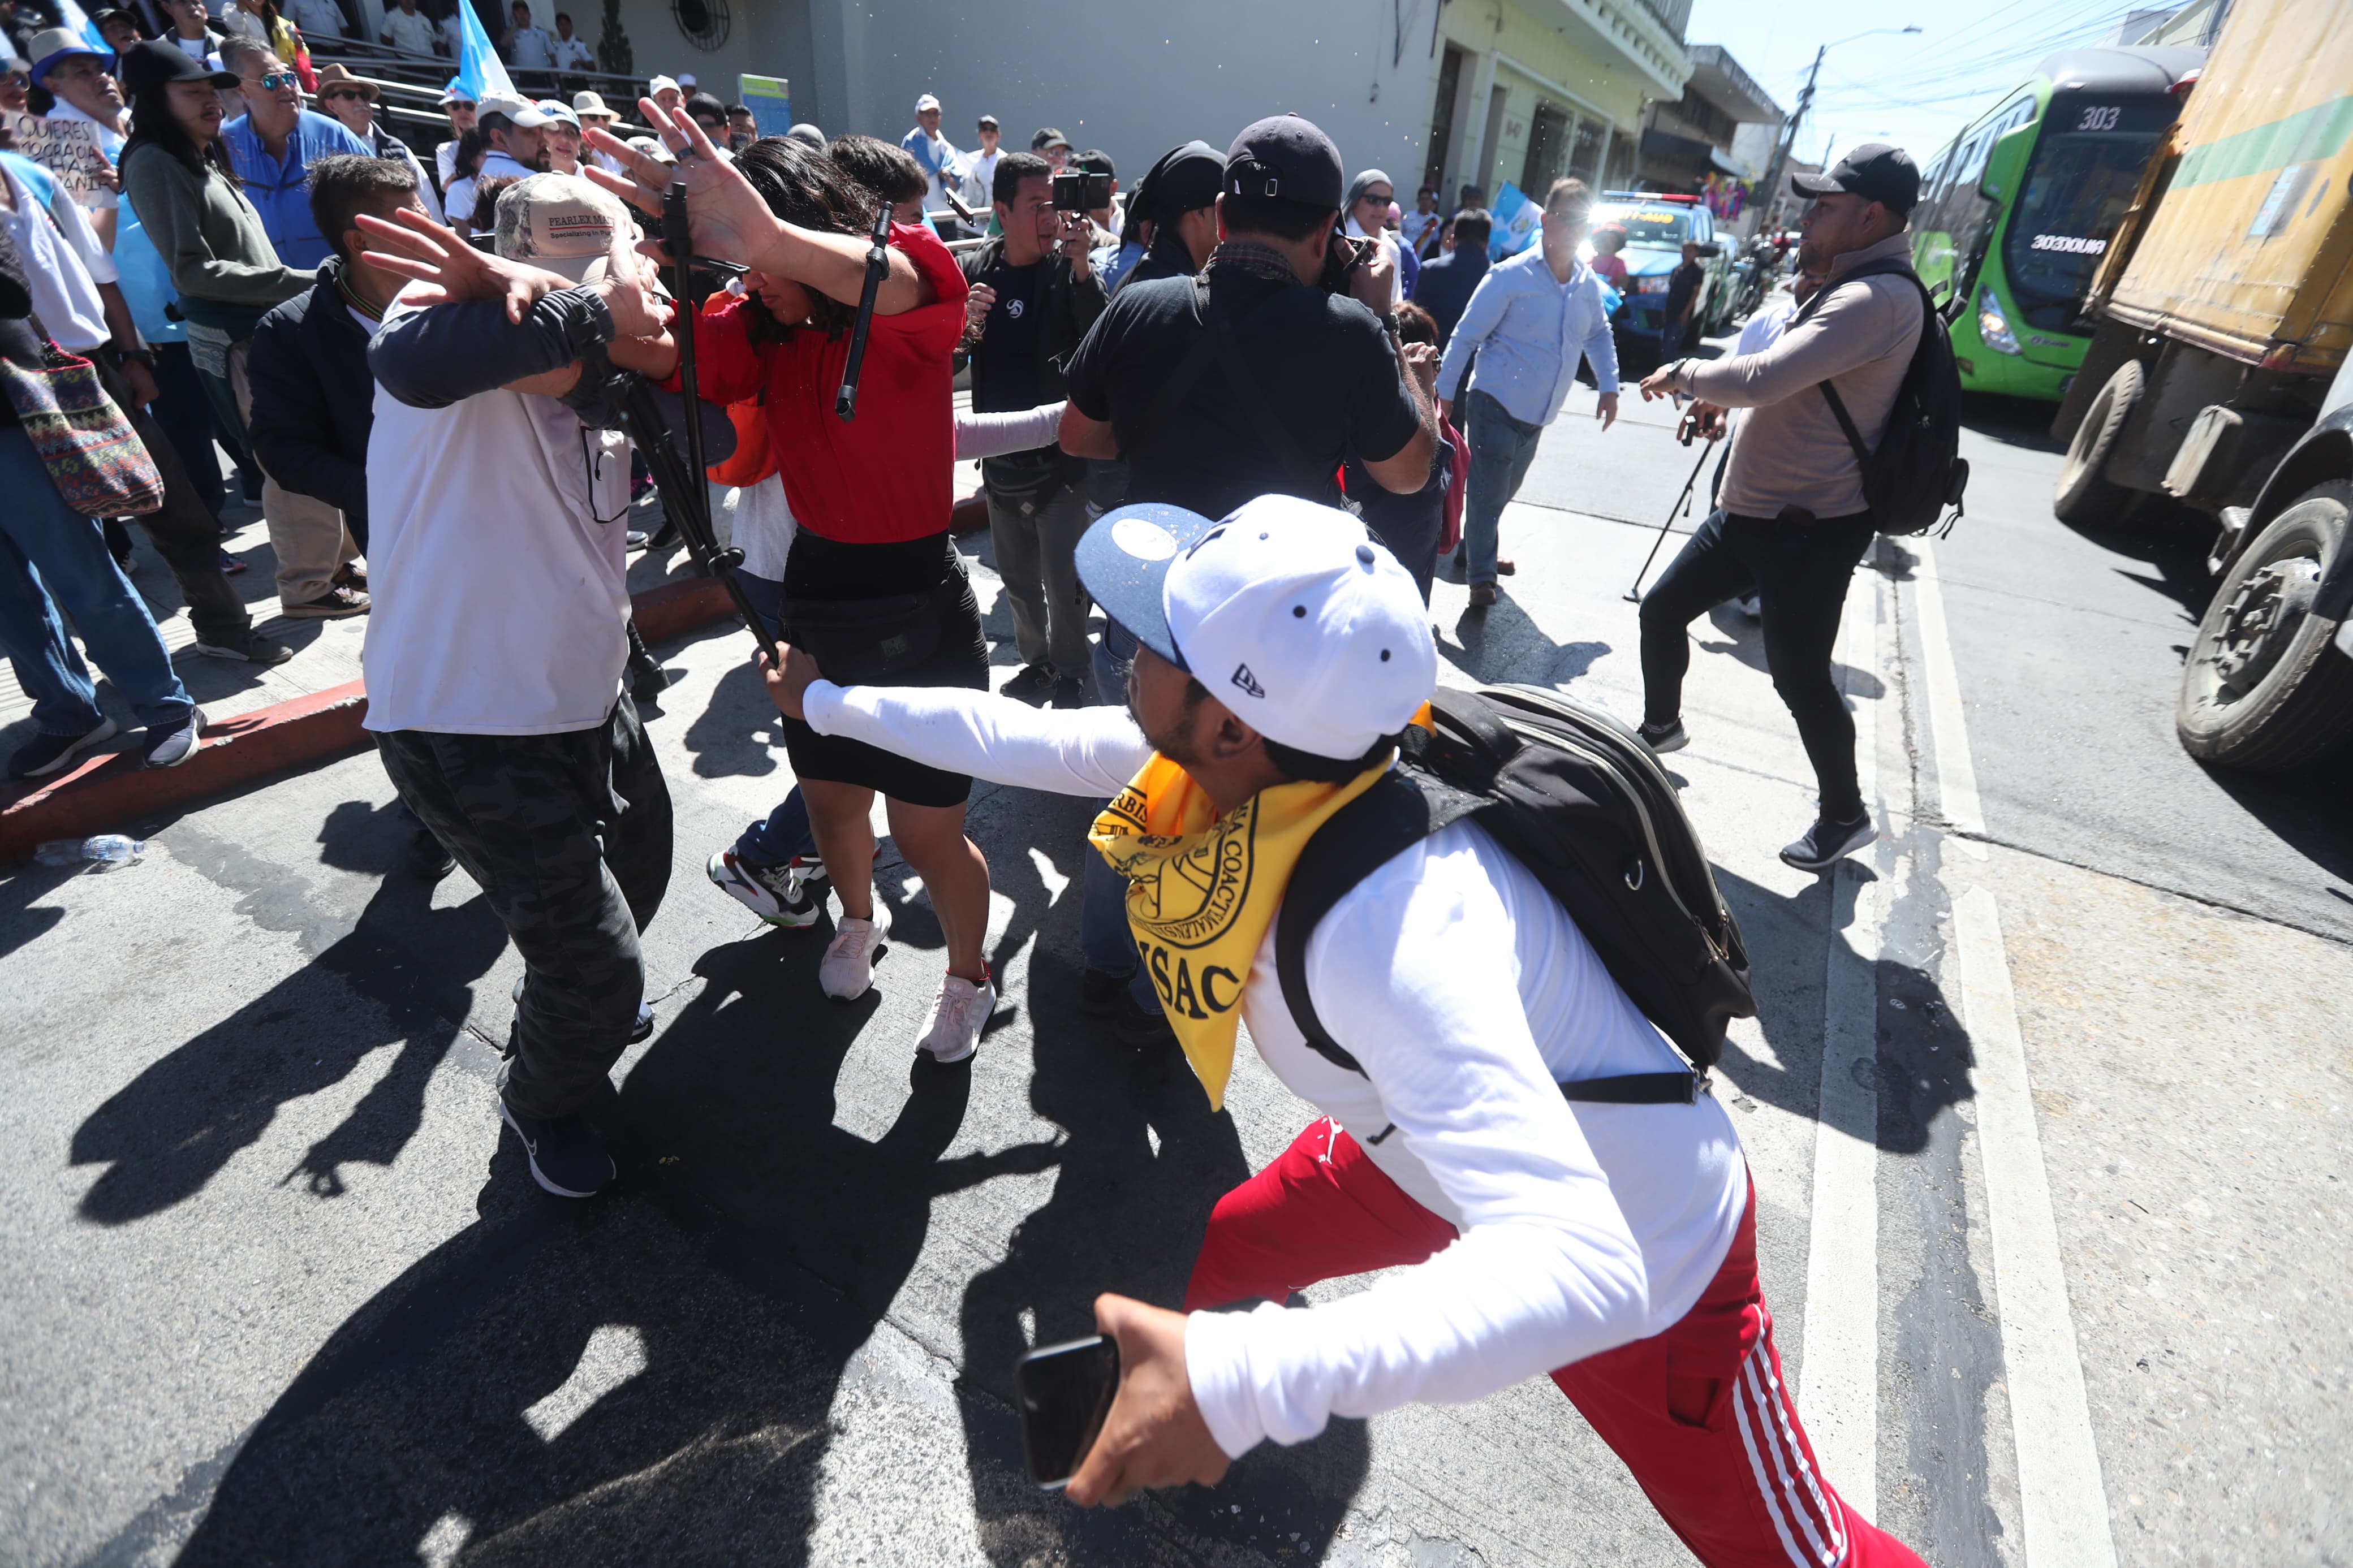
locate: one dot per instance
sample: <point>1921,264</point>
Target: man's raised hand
<point>452,271</point>
<point>726,216</point>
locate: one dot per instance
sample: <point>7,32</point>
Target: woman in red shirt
<point>873,586</point>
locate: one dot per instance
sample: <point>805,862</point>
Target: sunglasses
<point>337,95</point>
<point>276,80</point>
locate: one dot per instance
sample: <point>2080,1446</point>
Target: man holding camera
<point>1260,376</point>
<point>1034,295</point>
<point>497,489</point>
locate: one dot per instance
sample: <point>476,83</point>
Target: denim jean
<point>1502,447</point>
<point>1106,942</point>
<point>783,832</point>
<point>52,558</point>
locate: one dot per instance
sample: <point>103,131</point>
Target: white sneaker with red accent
<point>957,1018</point>
<point>847,967</point>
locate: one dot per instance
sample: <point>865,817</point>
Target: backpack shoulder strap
<point>1890,268</point>
<point>1402,809</point>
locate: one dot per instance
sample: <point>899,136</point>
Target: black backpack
<point>1917,469</point>
<point>1577,798</point>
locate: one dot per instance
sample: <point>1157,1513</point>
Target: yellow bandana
<point>1202,888</point>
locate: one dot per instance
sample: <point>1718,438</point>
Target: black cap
<point>152,61</point>
<point>1047,137</point>
<point>1289,158</point>
<point>1875,172</point>
<point>1185,179</point>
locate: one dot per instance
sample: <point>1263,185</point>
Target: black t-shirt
<point>1682,284</point>
<point>1323,362</point>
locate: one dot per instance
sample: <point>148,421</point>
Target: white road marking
<point>1956,776</point>
<point>2063,1499</point>
<point>1839,1399</point>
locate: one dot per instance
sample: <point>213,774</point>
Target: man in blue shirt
<point>940,160</point>
<point>1529,321</point>
<point>273,144</point>
<point>1447,280</point>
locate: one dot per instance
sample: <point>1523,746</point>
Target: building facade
<point>1443,92</point>
<point>1708,142</point>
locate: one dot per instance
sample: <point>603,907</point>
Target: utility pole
<point>1789,137</point>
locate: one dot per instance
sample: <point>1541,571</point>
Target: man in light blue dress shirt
<point>273,144</point>
<point>1528,322</point>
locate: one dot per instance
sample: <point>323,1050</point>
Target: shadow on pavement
<point>1502,644</point>
<point>170,1130</point>
<point>1923,1056</point>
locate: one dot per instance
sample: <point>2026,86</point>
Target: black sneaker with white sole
<point>45,754</point>
<point>566,1156</point>
<point>1664,738</point>
<point>169,745</point>
<point>1828,842</point>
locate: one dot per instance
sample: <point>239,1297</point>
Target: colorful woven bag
<point>94,457</point>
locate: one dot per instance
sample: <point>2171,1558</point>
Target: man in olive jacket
<point>1034,295</point>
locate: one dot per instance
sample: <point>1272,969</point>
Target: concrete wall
<point>1133,79</point>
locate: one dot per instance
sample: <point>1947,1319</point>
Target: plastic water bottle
<point>106,849</point>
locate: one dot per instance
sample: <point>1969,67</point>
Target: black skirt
<point>825,570</point>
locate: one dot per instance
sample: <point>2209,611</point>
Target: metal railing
<point>409,86</point>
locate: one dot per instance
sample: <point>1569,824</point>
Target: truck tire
<point>2085,497</point>
<point>2264,689</point>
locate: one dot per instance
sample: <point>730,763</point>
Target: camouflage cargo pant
<point>568,836</point>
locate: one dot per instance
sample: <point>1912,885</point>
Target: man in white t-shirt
<point>320,21</point>
<point>408,29</point>
<point>1612,1245</point>
<point>497,496</point>
<point>461,108</point>
<point>571,52</point>
<point>524,46</point>
<point>980,168</point>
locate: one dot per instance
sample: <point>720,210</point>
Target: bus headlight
<point>1656,283</point>
<point>1993,327</point>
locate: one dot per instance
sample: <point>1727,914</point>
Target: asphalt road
<point>2047,1121</point>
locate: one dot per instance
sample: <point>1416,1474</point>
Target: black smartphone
<point>1065,1392</point>
<point>1080,191</point>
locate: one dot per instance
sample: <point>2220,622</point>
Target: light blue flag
<point>74,19</point>
<point>480,73</point>
<point>1516,222</point>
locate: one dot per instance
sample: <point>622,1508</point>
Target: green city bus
<point>2016,212</point>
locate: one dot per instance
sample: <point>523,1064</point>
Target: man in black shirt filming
<point>1034,295</point>
<point>1260,377</point>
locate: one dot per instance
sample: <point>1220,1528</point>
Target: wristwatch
<point>137,356</point>
<point>1389,320</point>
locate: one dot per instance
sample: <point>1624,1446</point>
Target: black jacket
<point>313,399</point>
<point>1071,306</point>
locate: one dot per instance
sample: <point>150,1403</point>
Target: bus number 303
<point>2099,119</point>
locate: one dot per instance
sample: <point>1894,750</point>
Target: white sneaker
<point>847,967</point>
<point>957,1018</point>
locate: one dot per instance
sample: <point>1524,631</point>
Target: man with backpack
<point>1796,512</point>
<point>1501,1124</point>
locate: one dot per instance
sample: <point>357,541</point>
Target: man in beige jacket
<point>1791,522</point>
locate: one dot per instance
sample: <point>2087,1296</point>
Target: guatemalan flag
<point>480,73</point>
<point>73,17</point>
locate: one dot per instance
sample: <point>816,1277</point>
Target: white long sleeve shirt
<point>1468,995</point>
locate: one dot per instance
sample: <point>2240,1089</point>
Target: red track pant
<point>1699,1414</point>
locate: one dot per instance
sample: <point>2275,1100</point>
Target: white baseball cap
<point>525,114</point>
<point>653,87</point>
<point>926,101</point>
<point>556,109</point>
<point>1289,612</point>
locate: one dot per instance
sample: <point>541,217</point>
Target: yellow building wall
<point>1598,82</point>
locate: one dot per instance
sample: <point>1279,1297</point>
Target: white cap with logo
<point>1288,612</point>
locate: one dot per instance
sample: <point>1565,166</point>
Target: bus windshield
<point>1662,224</point>
<point>2077,185</point>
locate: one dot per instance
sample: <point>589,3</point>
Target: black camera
<point>1342,256</point>
<point>1079,191</point>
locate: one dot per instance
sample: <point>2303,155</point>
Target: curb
<point>108,791</point>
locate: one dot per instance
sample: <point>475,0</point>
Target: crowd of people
<point>1243,413</point>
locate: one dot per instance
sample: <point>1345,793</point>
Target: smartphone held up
<point>1065,1392</point>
